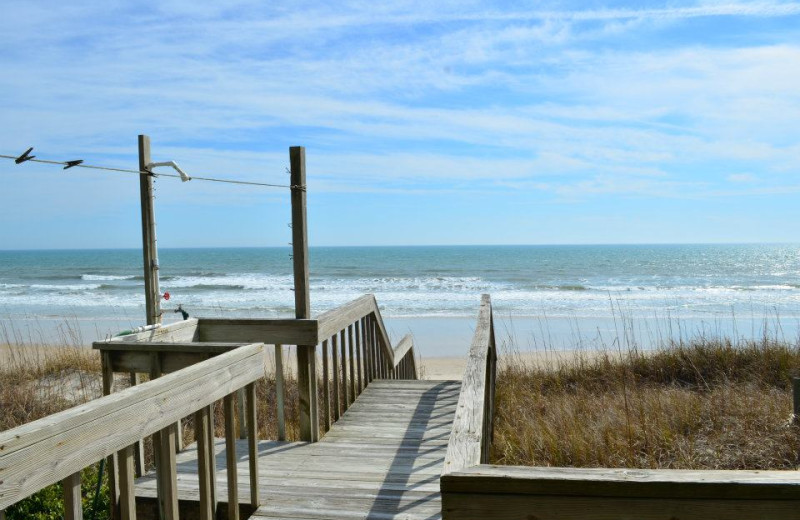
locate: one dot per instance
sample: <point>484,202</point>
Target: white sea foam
<point>105,277</point>
<point>65,287</point>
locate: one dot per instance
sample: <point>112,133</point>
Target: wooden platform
<point>381,460</point>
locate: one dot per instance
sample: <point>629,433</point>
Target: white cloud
<point>742,178</point>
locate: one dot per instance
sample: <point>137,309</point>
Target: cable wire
<point>140,172</point>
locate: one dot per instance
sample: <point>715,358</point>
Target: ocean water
<point>737,288</point>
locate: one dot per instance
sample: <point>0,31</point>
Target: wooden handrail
<point>355,330</point>
<point>405,344</point>
<point>471,435</point>
<point>334,320</point>
<point>83,435</point>
<point>355,351</point>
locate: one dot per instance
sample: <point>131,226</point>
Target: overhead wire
<point>147,172</point>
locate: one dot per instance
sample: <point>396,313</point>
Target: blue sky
<point>424,122</point>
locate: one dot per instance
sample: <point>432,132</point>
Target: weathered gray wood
<point>306,400</point>
<point>280,392</point>
<point>152,294</point>
<point>459,506</point>
<point>42,452</point>
<point>168,483</point>
<point>230,455</point>
<point>127,494</point>
<point>302,301</point>
<point>73,506</point>
<point>382,470</point>
<point>306,351</point>
<point>269,331</point>
<point>625,483</point>
<point>240,415</point>
<point>359,374</point>
<point>334,320</point>
<point>112,463</point>
<point>468,445</point>
<point>351,358</point>
<point>181,331</point>
<point>252,443</point>
<point>314,390</point>
<point>343,345</point>
<point>212,462</point>
<point>337,409</point>
<point>204,455</point>
<point>158,444</point>
<point>326,387</point>
<point>367,355</point>
<point>406,344</point>
<point>216,347</point>
<point>138,448</point>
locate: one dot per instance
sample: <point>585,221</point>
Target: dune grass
<point>702,404</point>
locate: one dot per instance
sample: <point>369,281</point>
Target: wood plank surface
<point>381,460</point>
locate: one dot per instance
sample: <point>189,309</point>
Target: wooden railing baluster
<point>127,494</point>
<point>326,387</point>
<point>229,403</point>
<point>212,460</point>
<point>205,452</point>
<point>343,346</point>
<point>335,367</point>
<point>252,443</point>
<point>359,380</point>
<point>168,491</point>
<point>280,392</point>
<point>73,507</point>
<point>350,349</point>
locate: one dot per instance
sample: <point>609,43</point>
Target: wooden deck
<point>381,460</point>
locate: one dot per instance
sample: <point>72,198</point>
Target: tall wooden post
<point>306,354</point>
<point>149,248</point>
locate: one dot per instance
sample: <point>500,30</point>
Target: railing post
<point>279,393</point>
<point>367,354</point>
<point>306,354</point>
<point>326,387</point>
<point>350,352</point>
<point>252,443</point>
<point>112,471</point>
<point>229,403</point>
<point>127,502</point>
<point>73,506</point>
<point>138,448</point>
<point>337,410</point>
<point>204,454</point>
<point>360,386</point>
<point>343,346</point>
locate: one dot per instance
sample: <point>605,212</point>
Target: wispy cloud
<point>567,102</point>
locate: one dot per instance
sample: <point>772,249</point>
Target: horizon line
<point>573,244</point>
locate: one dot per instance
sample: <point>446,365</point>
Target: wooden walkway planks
<point>381,460</point>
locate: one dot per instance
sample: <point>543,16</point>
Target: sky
<point>424,122</point>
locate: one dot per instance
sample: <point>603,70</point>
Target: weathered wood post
<point>306,354</point>
<point>149,248</point>
<point>796,400</point>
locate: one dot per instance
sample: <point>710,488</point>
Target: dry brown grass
<point>706,404</point>
<point>37,381</point>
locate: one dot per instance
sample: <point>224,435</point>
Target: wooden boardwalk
<point>381,460</point>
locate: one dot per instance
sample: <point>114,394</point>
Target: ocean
<point>570,295</point>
